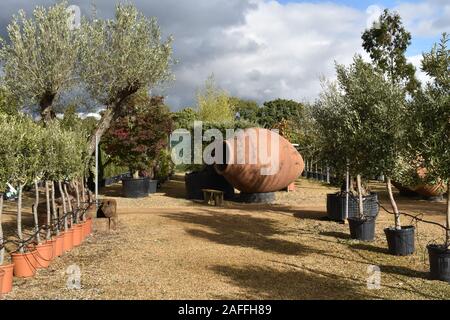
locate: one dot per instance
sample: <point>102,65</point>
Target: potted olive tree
<point>135,140</point>
<point>27,143</point>
<point>8,160</point>
<point>329,113</point>
<point>359,119</point>
<point>431,113</point>
<point>345,116</point>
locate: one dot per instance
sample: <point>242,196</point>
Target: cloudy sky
<point>265,49</point>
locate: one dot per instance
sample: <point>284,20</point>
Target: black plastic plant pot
<point>400,242</point>
<point>152,186</point>
<point>439,262</point>
<point>362,228</point>
<point>135,188</point>
<point>336,206</point>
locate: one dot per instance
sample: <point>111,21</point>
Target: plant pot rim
<point>363,219</point>
<point>6,266</point>
<point>131,179</point>
<point>438,248</point>
<point>404,229</point>
<point>15,254</point>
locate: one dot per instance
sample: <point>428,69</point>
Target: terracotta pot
<point>77,235</point>
<point>59,247</point>
<point>43,254</point>
<point>24,264</point>
<point>2,274</point>
<point>68,240</point>
<point>53,243</point>
<point>430,190</point>
<point>251,165</point>
<point>7,278</point>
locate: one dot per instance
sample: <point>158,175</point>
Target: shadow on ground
<point>270,283</point>
<point>242,230</point>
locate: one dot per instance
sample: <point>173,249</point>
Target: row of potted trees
<point>34,155</point>
<point>370,123</point>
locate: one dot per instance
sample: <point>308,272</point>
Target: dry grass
<point>170,248</point>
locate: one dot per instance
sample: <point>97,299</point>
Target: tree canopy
<point>213,103</point>
<point>386,42</point>
<point>39,59</point>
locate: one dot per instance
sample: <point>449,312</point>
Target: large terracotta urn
<point>424,189</point>
<point>259,161</point>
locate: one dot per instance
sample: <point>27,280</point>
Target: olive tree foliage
<point>214,104</point>
<point>40,57</point>
<point>330,117</point>
<point>430,135</point>
<point>8,104</point>
<point>119,57</point>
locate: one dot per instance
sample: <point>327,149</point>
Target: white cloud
<point>427,18</point>
<point>279,51</point>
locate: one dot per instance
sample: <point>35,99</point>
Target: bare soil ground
<point>169,248</point>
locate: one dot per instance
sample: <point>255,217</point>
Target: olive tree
<point>8,159</point>
<point>332,135</point>
<point>365,111</point>
<point>119,57</point>
<point>26,137</point>
<point>431,113</point>
<point>40,57</point>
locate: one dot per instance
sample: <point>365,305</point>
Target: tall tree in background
<point>274,112</point>
<point>184,118</point>
<point>213,103</point>
<point>386,42</point>
<point>40,57</point>
<point>120,57</point>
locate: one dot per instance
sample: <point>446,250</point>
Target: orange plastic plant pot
<point>24,264</point>
<point>7,278</point>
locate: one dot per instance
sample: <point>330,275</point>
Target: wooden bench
<point>211,195</point>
